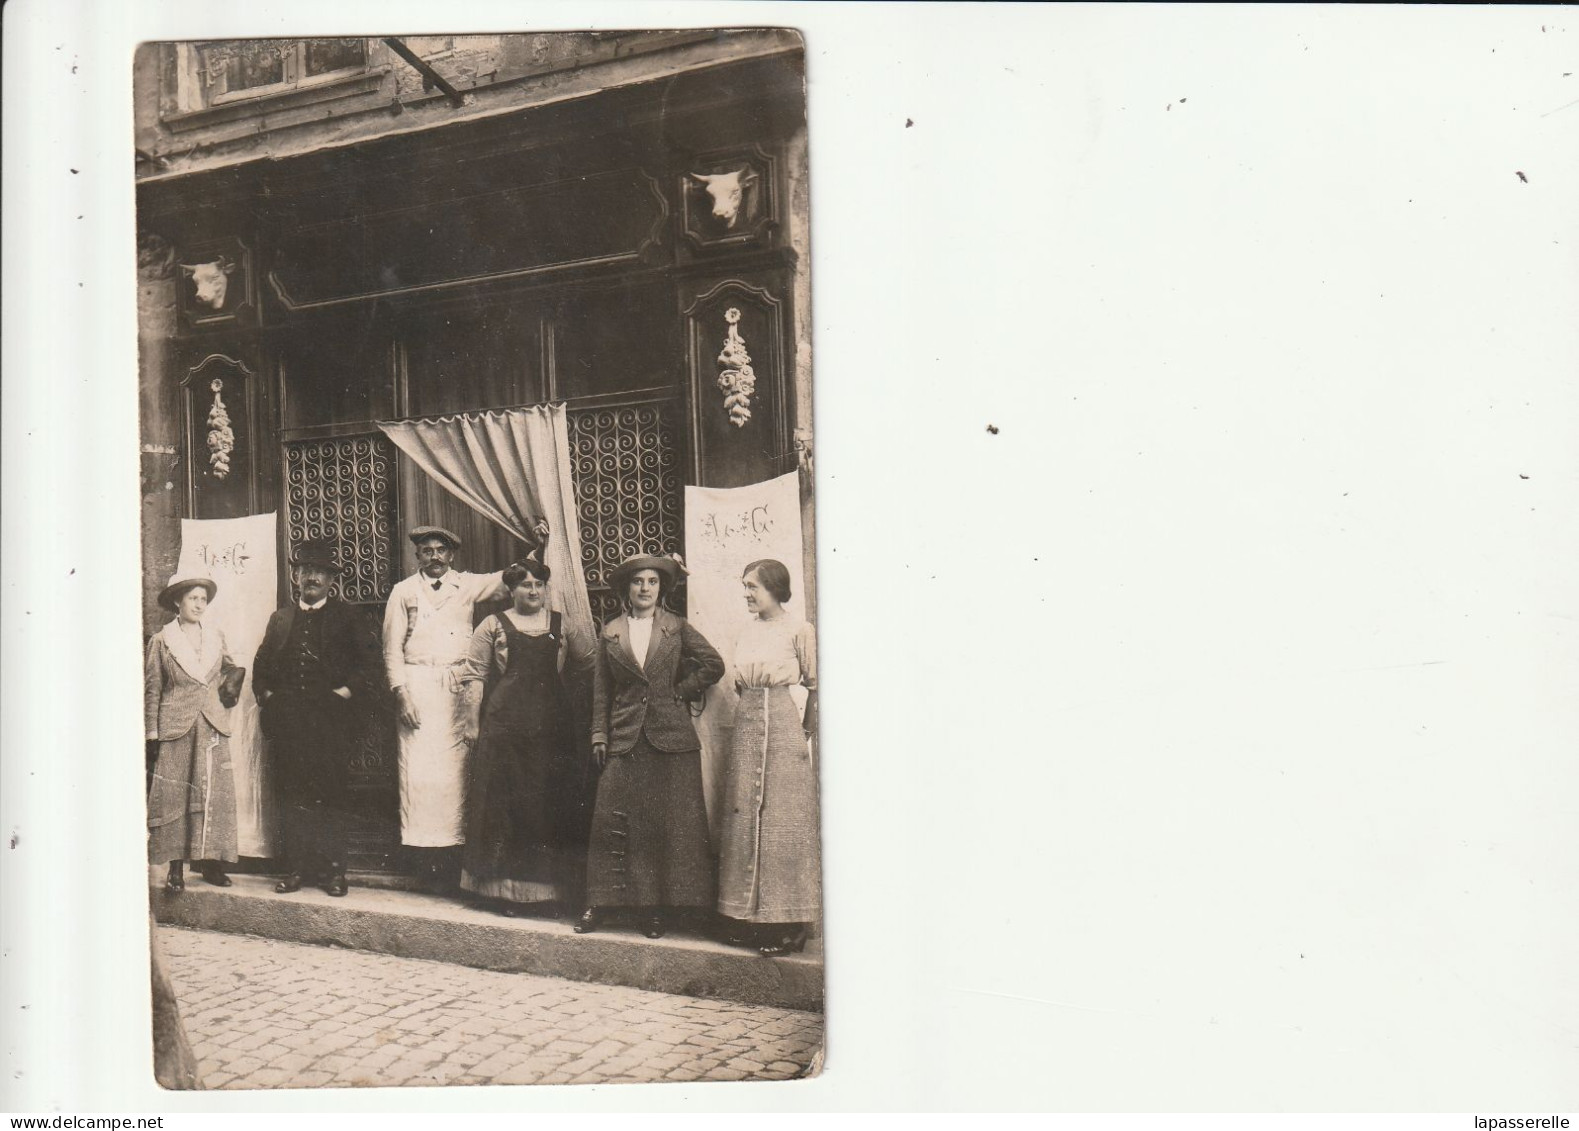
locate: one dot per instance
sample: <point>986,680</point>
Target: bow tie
<point>437,585</point>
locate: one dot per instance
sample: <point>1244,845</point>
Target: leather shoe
<point>655,927</point>
<point>787,943</point>
<point>337,885</point>
<point>589,921</point>
<point>290,883</point>
<point>215,876</point>
<point>175,885</point>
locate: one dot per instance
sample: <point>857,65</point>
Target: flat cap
<point>421,533</point>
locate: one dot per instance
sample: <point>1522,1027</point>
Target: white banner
<point>726,528</point>
<point>239,554</point>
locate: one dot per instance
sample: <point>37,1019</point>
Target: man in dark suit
<point>319,658</point>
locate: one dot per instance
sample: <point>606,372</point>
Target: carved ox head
<point>211,280</point>
<point>726,190</point>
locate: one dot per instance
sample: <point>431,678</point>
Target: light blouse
<point>776,653</point>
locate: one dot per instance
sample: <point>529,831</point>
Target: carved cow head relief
<point>727,190</point>
<point>211,280</point>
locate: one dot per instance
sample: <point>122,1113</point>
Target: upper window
<point>253,68</point>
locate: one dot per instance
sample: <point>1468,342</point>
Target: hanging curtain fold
<point>513,468</point>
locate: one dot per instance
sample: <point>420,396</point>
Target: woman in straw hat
<point>189,686</point>
<point>649,852</point>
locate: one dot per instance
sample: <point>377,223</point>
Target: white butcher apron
<point>433,756</point>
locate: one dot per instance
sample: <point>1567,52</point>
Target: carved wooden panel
<point>373,836</point>
<point>218,396</point>
<point>737,382</point>
<point>729,199</point>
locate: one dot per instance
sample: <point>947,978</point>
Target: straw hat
<point>172,593</point>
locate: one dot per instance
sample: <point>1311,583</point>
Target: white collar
<point>198,665</point>
<point>306,608</point>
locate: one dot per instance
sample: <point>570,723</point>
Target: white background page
<point>1204,739</point>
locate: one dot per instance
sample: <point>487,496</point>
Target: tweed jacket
<point>178,685</point>
<point>350,645</point>
<point>630,698</point>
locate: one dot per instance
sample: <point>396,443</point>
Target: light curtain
<point>513,468</point>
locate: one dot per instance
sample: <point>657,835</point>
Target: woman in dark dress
<point>526,796</point>
<point>649,853</point>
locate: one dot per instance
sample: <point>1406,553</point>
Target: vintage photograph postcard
<point>479,598</point>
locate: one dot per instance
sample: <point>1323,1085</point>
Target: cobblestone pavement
<point>262,1013</point>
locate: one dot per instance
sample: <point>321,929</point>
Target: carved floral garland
<point>738,380</point>
<point>221,440</point>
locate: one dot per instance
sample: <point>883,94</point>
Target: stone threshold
<point>417,925</point>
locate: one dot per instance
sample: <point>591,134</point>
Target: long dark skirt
<point>649,832</point>
<point>522,806</point>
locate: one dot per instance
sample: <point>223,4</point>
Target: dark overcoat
<point>311,732</point>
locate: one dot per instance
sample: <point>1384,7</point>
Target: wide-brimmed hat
<point>170,594</point>
<point>419,533</point>
<point>316,552</point>
<point>670,566</point>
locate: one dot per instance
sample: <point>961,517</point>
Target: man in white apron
<point>427,628</point>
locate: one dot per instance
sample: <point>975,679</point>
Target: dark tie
<point>437,584</point>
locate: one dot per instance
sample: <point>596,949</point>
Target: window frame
<point>295,64</point>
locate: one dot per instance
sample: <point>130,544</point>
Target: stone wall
<point>162,488</point>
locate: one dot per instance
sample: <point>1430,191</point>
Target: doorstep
<point>417,925</point>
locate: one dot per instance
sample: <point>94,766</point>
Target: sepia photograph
<point>480,669</point>
<point>694,558</point>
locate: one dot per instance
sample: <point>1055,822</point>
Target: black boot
<point>213,872</point>
<point>175,880</point>
<point>589,921</point>
<point>779,939</point>
<point>336,884</point>
<point>292,882</point>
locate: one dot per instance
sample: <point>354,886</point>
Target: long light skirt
<point>770,863</point>
<point>192,801</point>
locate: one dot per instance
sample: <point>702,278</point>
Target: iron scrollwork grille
<point>626,468</point>
<point>343,489</point>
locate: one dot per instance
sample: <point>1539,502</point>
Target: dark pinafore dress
<point>526,797</point>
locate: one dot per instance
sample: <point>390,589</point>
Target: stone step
<point>417,925</point>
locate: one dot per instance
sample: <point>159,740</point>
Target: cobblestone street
<point>262,1013</point>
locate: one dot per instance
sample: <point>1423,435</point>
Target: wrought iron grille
<point>626,465</point>
<point>343,489</point>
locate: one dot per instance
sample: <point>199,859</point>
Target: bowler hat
<point>670,566</point>
<point>316,552</point>
<point>422,533</point>
<point>172,593</point>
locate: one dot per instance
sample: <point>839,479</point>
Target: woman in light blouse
<point>769,875</point>
<point>189,686</point>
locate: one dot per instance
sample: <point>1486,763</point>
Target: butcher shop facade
<point>342,239</point>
